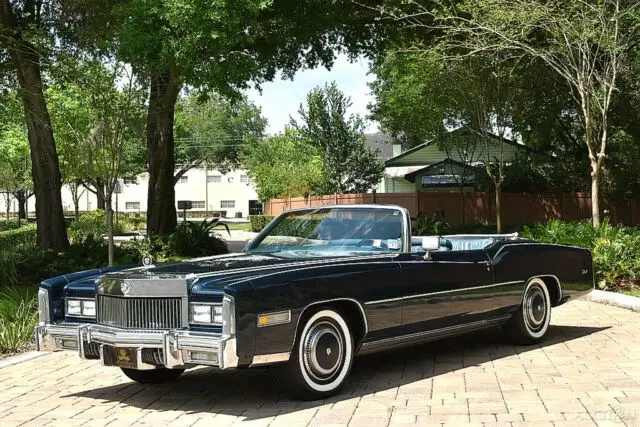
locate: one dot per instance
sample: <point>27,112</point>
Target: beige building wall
<point>208,189</point>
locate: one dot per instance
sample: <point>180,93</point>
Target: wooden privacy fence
<point>479,208</point>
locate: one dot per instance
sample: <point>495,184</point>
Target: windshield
<point>332,232</point>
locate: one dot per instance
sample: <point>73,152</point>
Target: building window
<point>227,204</point>
<point>183,179</point>
<point>132,206</point>
<point>197,204</point>
<point>246,179</point>
<point>133,180</point>
<point>214,178</point>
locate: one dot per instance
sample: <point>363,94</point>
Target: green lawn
<point>239,226</point>
<point>634,293</point>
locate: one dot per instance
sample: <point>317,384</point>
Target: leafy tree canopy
<point>212,129</point>
<point>349,164</point>
<point>284,166</point>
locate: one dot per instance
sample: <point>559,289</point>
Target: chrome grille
<point>139,313</point>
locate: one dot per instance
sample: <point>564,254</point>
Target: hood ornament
<point>147,260</point>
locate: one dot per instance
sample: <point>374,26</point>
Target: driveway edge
<point>614,298</point>
<point>19,358</point>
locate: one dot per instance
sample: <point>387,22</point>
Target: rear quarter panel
<point>518,262</point>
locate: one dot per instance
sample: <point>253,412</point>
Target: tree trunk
<point>100,198</point>
<point>595,194</point>
<point>161,205</point>
<point>75,191</point>
<point>45,169</point>
<point>8,204</point>
<point>21,197</point>
<point>462,205</point>
<point>110,232</point>
<point>498,209</point>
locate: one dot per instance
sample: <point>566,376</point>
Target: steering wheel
<point>369,242</point>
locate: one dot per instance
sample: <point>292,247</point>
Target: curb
<point>613,298</point>
<point>19,358</point>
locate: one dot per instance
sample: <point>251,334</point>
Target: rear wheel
<point>153,376</point>
<point>530,322</point>
<point>321,358</point>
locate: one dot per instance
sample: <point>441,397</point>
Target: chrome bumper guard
<point>176,348</point>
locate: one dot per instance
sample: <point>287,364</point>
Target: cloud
<point>280,99</point>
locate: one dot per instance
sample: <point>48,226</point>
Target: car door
<point>450,290</point>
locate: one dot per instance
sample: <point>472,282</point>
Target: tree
<point>23,36</point>
<point>285,165</point>
<point>226,46</point>
<point>349,165</point>
<point>116,133</point>
<point>15,177</point>
<point>585,43</point>
<point>474,94</point>
<point>466,151</point>
<point>213,129</point>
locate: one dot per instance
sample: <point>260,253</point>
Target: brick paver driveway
<point>586,373</point>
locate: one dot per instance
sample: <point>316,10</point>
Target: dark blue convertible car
<point>314,289</point>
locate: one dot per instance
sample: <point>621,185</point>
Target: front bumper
<point>154,348</point>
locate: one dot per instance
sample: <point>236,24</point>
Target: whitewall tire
<point>530,322</point>
<point>322,356</point>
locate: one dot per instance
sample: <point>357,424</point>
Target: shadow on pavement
<point>254,393</point>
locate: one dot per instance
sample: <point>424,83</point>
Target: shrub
<point>18,317</point>
<point>258,222</point>
<point>429,224</point>
<point>12,239</point>
<point>11,224</point>
<point>196,239</point>
<point>94,224</point>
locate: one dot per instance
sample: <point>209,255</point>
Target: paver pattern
<point>586,373</point>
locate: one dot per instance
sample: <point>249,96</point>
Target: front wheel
<point>153,376</point>
<point>530,322</point>
<point>321,358</point>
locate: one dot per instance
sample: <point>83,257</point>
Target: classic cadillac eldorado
<point>315,288</point>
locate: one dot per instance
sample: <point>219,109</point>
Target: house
<point>446,164</point>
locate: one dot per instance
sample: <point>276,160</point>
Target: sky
<point>281,98</point>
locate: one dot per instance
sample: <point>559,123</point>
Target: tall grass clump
<point>18,318</point>
<point>615,249</point>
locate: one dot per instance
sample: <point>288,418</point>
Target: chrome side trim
<point>364,316</point>
<point>443,292</point>
<point>434,332</point>
<point>264,359</point>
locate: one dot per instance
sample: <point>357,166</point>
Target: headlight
<point>80,307</point>
<point>89,308</point>
<point>210,314</point>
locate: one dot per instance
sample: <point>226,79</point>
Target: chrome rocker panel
<point>178,346</point>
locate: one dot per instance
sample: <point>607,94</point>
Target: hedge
<point>258,222</point>
<point>25,236</point>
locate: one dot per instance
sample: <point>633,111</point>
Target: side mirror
<point>430,243</point>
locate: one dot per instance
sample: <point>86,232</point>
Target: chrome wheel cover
<point>322,370</point>
<point>323,350</point>
<point>536,308</point>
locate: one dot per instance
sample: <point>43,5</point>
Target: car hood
<point>205,276</point>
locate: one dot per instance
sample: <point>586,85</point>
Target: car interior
<point>462,242</point>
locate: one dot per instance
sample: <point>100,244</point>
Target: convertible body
<point>314,289</point>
